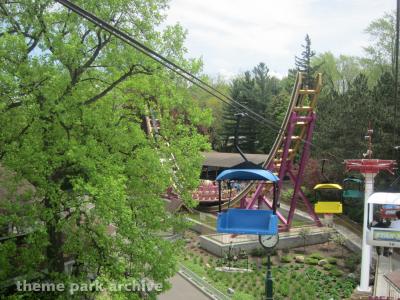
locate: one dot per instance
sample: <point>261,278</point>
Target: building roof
<point>385,198</point>
<point>228,160</point>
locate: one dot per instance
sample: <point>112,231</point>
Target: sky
<point>233,36</point>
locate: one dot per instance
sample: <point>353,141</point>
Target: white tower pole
<point>366,249</point>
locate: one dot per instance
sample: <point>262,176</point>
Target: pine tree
<point>255,90</point>
<point>303,63</point>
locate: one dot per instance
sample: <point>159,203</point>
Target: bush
<point>327,267</point>
<point>285,250</point>
<point>352,261</point>
<point>311,261</point>
<point>298,266</point>
<point>316,255</point>
<point>286,195</point>
<point>286,259</point>
<point>332,260</point>
<point>257,252</point>
<point>336,272</point>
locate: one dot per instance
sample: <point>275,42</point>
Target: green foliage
<point>335,272</point>
<point>303,63</point>
<point>316,255</point>
<point>255,89</point>
<point>303,234</point>
<point>210,103</point>
<point>290,282</point>
<point>242,296</point>
<point>327,267</point>
<point>352,261</point>
<point>286,259</point>
<point>72,104</point>
<point>340,241</point>
<point>311,261</point>
<point>332,260</point>
<point>286,195</point>
<point>257,252</point>
<point>380,54</point>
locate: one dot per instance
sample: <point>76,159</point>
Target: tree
<point>72,101</point>
<point>340,241</point>
<point>341,124</point>
<point>338,72</point>
<point>215,106</point>
<point>255,90</point>
<point>303,62</point>
<point>380,55</point>
<point>303,234</point>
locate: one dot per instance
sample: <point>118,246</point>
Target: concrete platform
<point>218,244</point>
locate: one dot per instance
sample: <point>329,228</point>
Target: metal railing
<point>202,284</point>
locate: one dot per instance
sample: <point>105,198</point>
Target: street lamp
<point>269,242</point>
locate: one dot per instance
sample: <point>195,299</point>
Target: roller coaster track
<point>293,141</point>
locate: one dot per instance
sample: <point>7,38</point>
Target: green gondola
<point>353,188</point>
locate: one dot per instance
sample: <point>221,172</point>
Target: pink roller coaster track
<point>293,142</point>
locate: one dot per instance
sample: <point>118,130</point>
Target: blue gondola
<point>247,221</point>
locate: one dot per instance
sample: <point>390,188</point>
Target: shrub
<point>316,255</point>
<point>352,261</point>
<point>327,267</point>
<point>311,261</point>
<point>303,234</point>
<point>297,267</point>
<point>274,252</point>
<point>257,252</point>
<point>287,195</point>
<point>286,259</point>
<point>336,272</point>
<point>332,260</point>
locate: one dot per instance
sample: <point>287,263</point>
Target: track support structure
<point>294,146</point>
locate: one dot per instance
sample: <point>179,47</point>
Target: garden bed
<point>292,280</point>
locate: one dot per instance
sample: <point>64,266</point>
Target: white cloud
<point>235,35</point>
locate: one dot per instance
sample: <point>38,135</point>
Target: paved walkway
<point>384,266</point>
<point>182,290</point>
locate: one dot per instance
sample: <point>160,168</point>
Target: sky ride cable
<point>165,62</point>
<point>177,69</point>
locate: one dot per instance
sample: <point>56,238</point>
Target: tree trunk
<point>55,255</point>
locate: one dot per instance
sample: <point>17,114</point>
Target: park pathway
<point>182,289</point>
<point>188,285</point>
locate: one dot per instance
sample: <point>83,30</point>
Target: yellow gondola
<point>328,198</point>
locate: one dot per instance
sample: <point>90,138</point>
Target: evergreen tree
<point>242,91</point>
<point>303,62</point>
<point>255,90</point>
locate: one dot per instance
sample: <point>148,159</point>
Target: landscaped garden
<point>322,272</point>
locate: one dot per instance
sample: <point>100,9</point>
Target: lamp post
<point>269,280</point>
<point>269,242</point>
